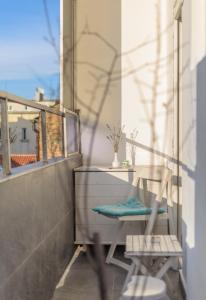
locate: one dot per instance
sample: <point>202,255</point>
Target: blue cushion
<point>133,206</point>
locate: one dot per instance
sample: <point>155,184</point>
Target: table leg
<point>169,263</point>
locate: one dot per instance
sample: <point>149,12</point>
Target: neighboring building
<point>21,124</point>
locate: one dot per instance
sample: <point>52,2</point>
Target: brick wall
<point>55,146</point>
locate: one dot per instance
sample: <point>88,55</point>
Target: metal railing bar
<point>64,135</point>
<point>71,112</point>
<point>44,137</point>
<point>20,100</point>
<point>6,161</point>
<point>78,132</point>
<point>29,103</point>
<point>73,154</point>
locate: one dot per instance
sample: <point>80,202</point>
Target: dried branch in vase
<point>115,136</point>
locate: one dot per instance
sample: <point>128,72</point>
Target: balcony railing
<point>67,116</point>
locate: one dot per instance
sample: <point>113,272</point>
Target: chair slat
<point>129,243</point>
<point>170,245</point>
<point>137,243</point>
<point>176,243</point>
<point>163,244</point>
<point>159,245</point>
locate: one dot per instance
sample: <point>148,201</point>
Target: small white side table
<point>156,246</point>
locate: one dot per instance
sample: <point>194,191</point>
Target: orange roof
<point>18,160</point>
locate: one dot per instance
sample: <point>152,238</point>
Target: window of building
<point>24,134</point>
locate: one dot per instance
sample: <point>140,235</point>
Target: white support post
<point>66,134</point>
<point>172,227</point>
<point>64,141</point>
<point>44,136</point>
<point>78,131</point>
<point>6,161</point>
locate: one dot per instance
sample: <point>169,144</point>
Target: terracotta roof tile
<point>18,160</point>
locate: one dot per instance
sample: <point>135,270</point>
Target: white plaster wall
<point>139,90</point>
<point>194,146</point>
<point>146,28</point>
<point>103,19</point>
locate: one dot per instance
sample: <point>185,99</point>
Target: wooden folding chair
<point>164,185</point>
<point>149,245</point>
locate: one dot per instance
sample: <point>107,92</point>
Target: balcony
<point>139,68</point>
<point>38,224</point>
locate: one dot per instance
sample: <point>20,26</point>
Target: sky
<point>27,60</point>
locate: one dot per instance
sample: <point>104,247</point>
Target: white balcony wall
<point>194,146</point>
<point>98,103</point>
<point>137,89</point>
<point>147,93</point>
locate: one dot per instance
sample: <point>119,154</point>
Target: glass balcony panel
<point>23,134</point>
<point>72,134</point>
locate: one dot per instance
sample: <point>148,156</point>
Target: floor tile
<point>82,283</point>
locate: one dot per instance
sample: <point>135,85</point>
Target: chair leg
<point>110,256</point>
<point>129,275</point>
<point>114,243</point>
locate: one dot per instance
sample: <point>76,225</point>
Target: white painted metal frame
<point>6,162</point>
<point>44,136</point>
<point>75,114</point>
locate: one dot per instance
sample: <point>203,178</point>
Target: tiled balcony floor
<point>81,282</point>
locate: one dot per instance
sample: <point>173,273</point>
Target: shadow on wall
<point>194,190</point>
<point>97,60</point>
<point>100,144</point>
<point>100,78</point>
<point>196,256</point>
